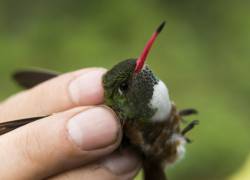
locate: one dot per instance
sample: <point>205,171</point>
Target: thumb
<point>58,143</point>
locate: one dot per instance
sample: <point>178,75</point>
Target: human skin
<point>78,140</point>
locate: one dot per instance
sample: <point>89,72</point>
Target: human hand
<point>76,142</point>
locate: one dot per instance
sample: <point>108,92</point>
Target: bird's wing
<point>28,78</point>
<point>11,125</point>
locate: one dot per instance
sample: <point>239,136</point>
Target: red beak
<point>141,60</point>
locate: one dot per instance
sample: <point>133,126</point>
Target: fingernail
<point>87,88</point>
<point>123,162</point>
<point>94,128</point>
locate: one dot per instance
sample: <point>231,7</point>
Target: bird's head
<point>134,92</point>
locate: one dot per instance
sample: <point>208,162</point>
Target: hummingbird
<point>152,125</point>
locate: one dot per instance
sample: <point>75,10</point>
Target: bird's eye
<point>123,88</point>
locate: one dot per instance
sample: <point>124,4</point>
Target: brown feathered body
<point>158,142</point>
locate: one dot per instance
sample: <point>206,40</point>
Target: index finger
<point>66,91</point>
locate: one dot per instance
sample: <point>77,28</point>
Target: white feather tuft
<point>161,102</point>
<point>181,145</point>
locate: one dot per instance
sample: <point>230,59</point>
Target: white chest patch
<point>161,102</point>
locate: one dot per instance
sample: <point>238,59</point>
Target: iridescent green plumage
<point>124,91</point>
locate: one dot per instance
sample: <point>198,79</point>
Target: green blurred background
<point>203,56</point>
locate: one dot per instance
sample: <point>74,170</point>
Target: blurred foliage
<point>203,56</point>
<point>244,173</point>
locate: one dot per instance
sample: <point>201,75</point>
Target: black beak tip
<point>159,29</point>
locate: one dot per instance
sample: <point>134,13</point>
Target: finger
<point>118,165</point>
<point>57,143</point>
<point>83,87</point>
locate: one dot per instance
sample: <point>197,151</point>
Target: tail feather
<point>153,170</point>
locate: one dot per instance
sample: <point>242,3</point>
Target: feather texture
<point>11,125</point>
<point>29,78</point>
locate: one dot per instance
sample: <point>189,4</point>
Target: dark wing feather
<point>11,125</point>
<point>29,78</point>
